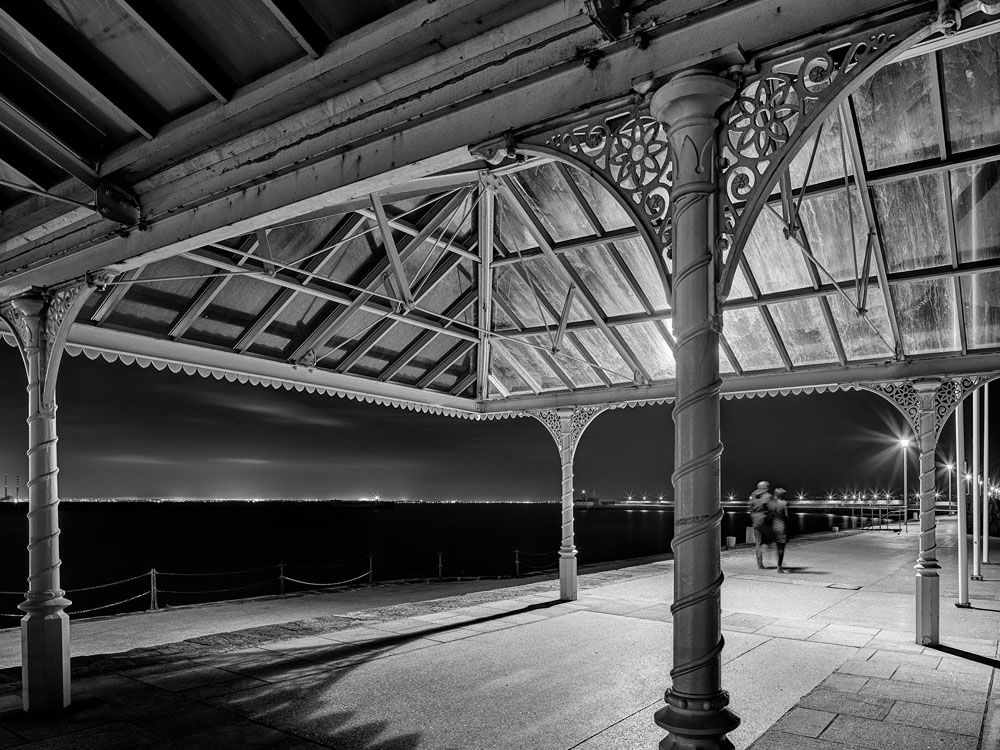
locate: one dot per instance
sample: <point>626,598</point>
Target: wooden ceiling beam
<point>299,25</point>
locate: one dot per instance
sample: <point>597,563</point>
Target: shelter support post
<point>977,446</point>
<point>963,525</point>
<point>39,323</point>
<point>696,715</point>
<point>566,425</point>
<point>928,606</point>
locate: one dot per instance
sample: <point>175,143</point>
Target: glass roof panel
<point>981,301</point>
<point>856,334</point>
<point>452,286</point>
<point>530,363</point>
<point>650,348</point>
<point>553,202</point>
<point>511,229</point>
<point>568,359</point>
<point>608,211</point>
<point>353,254</point>
<point>725,367</point>
<point>638,257</point>
<point>604,280</point>
<point>575,364</point>
<point>926,312</point>
<point>972,90</point>
<point>827,225</point>
<point>896,115</point>
<point>804,331</point>
<point>552,286</point>
<point>513,290</point>
<point>748,337</point>
<point>740,288</point>
<point>829,161</point>
<point>975,196</point>
<point>776,263</point>
<point>505,373</point>
<point>914,223</point>
<point>242,296</point>
<point>604,354</point>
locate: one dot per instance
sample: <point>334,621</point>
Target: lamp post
<point>904,443</point>
<point>949,468</point>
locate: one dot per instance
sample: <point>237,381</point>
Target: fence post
<point>153,602</point>
<point>440,565</point>
<point>517,564</point>
<point>371,569</point>
<point>281,579</point>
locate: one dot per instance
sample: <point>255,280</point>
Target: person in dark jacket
<point>758,517</point>
<point>776,519</point>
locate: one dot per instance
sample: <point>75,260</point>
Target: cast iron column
<point>927,567</point>
<point>567,547</point>
<point>696,716</point>
<point>45,626</point>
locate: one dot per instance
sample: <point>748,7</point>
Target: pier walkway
<point>821,658</point>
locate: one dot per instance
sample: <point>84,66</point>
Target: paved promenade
<point>821,658</point>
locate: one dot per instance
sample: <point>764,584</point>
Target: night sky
<point>125,431</point>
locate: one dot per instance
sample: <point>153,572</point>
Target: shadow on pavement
<point>979,658</point>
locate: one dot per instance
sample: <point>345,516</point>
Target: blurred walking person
<point>776,519</point>
<point>759,500</point>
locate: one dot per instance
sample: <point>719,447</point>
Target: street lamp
<point>949,468</point>
<point>904,443</point>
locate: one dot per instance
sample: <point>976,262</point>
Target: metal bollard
<point>517,564</point>
<point>281,579</point>
<point>153,603</point>
<point>440,565</point>
<point>371,569</point>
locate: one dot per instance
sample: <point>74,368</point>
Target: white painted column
<point>963,530</point>
<point>928,594</point>
<point>977,573</point>
<point>566,425</point>
<point>696,715</point>
<point>985,545</point>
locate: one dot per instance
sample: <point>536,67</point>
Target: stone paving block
<point>297,645</point>
<point>776,631</point>
<point>9,739</point>
<point>204,692</point>
<point>925,660</point>
<point>489,625</point>
<point>943,678</point>
<point>967,666</point>
<point>941,719</point>
<point>869,669</point>
<point>523,618</point>
<point>852,704</point>
<point>844,683</point>
<point>183,719</point>
<point>354,635</point>
<point>244,735</point>
<point>929,695</point>
<point>179,680</point>
<point>840,638</point>
<point>452,634</point>
<point>659,612</point>
<point>745,622</point>
<point>807,722</point>
<point>775,740</point>
<point>117,736</point>
<point>406,625</point>
<point>505,605</point>
<point>877,735</point>
<point>80,716</point>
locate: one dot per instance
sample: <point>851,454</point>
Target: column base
<point>976,578</point>
<point>45,661</point>
<point>928,607</point>
<point>567,575</point>
<point>696,722</point>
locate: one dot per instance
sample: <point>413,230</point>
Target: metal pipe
<point>985,550</point>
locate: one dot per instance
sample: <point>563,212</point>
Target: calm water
<point>322,543</point>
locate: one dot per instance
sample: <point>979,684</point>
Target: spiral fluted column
<point>927,567</point>
<point>696,716</point>
<point>45,626</point>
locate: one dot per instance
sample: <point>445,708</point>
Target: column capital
<point>692,93</point>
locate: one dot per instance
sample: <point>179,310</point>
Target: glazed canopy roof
<point>528,284</point>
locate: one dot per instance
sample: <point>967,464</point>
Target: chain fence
<point>163,589</point>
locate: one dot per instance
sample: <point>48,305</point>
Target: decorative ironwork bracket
<point>781,105</point>
<point>566,425</point>
<point>912,398</point>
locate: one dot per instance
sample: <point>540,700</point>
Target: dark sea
<point>207,551</point>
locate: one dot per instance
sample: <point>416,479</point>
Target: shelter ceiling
<point>531,283</point>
